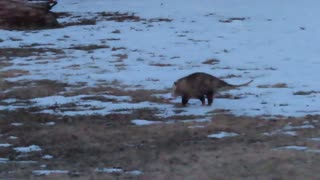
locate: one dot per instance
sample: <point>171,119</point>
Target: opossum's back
<point>197,78</point>
<point>196,83</point>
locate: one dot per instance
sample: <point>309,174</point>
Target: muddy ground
<point>82,144</point>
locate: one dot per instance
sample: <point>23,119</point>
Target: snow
<point>222,134</point>
<point>289,129</point>
<point>299,148</point>
<point>314,139</point>
<point>50,123</point>
<point>16,124</point>
<point>28,149</point>
<point>47,156</point>
<point>277,47</point>
<point>307,126</point>
<point>47,172</point>
<point>109,170</point>
<point>118,170</point>
<point>13,137</point>
<point>4,160</point>
<point>280,132</point>
<point>142,122</point>
<point>196,126</point>
<point>5,145</point>
<point>134,172</point>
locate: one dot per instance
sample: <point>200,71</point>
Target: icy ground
<point>272,42</point>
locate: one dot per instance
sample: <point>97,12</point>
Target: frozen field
<point>150,44</point>
<point>92,98</point>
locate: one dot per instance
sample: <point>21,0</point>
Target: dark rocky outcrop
<point>21,14</point>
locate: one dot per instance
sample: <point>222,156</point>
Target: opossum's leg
<point>210,98</point>
<point>185,99</point>
<point>202,99</point>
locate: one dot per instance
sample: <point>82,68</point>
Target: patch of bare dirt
<point>277,85</point>
<point>304,93</point>
<point>25,52</point>
<point>163,151</point>
<point>93,18</point>
<point>230,20</point>
<point>211,61</point>
<point>88,47</point>
<point>13,73</point>
<point>161,64</point>
<point>28,90</point>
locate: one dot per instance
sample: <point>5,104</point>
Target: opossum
<point>200,85</point>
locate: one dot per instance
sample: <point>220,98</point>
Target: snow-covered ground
<point>268,41</point>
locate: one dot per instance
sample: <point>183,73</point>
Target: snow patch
<point>47,157</point>
<point>50,123</point>
<point>4,160</point>
<point>5,145</point>
<point>222,134</point>
<point>280,132</point>
<point>28,149</point>
<point>118,171</point>
<point>314,139</point>
<point>307,126</point>
<point>142,122</point>
<point>196,126</point>
<point>16,124</point>
<point>48,172</point>
<point>13,137</point>
<point>109,170</point>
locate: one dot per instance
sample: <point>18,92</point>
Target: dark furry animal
<point>200,85</point>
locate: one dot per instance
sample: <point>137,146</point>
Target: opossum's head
<point>175,90</point>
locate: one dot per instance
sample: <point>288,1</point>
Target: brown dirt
<point>162,151</point>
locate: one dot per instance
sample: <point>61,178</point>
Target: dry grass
<point>105,16</point>
<point>120,17</point>
<point>304,93</point>
<point>160,64</point>
<point>277,85</point>
<point>118,48</point>
<point>26,52</point>
<point>165,151</point>
<point>229,20</point>
<point>89,47</point>
<point>13,73</point>
<point>120,57</point>
<point>34,89</point>
<point>211,61</point>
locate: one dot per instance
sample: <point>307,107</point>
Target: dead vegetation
<point>230,20</point>
<point>93,18</point>
<point>305,93</point>
<point>13,73</point>
<point>162,151</point>
<point>90,47</point>
<point>28,90</point>
<point>160,64</point>
<point>26,52</point>
<point>211,61</point>
<point>277,85</point>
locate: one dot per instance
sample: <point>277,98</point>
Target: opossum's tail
<point>244,84</point>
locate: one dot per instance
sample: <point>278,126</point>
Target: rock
<point>20,14</point>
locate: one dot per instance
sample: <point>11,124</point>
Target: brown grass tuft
<point>28,90</point>
<point>304,93</point>
<point>277,85</point>
<point>89,47</point>
<point>211,61</point>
